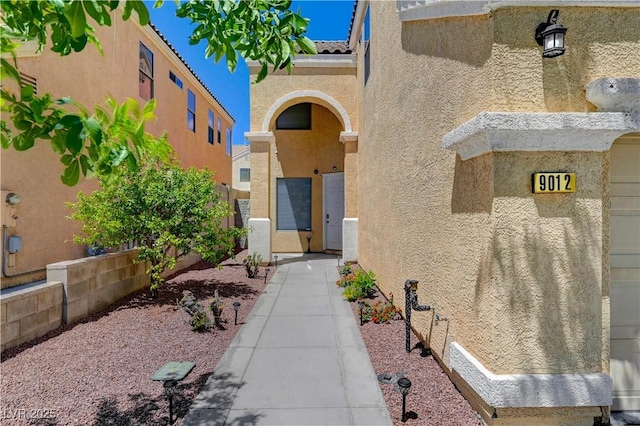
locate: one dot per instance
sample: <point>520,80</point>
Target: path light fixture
<point>550,35</point>
<point>308,243</point>
<point>404,385</point>
<point>361,307</point>
<point>236,308</point>
<point>266,275</point>
<point>276,259</point>
<point>169,391</point>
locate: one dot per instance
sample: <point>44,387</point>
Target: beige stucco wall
<point>297,153</point>
<point>89,77</point>
<point>519,276</point>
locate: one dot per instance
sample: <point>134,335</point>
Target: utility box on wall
<point>15,244</point>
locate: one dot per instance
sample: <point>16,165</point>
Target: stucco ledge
<point>528,131</point>
<point>531,390</point>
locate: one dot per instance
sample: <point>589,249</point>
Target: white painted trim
<point>413,10</point>
<point>615,94</point>
<point>348,137</point>
<point>356,25</point>
<point>321,60</point>
<point>531,390</point>
<point>523,131</point>
<point>317,97</point>
<point>350,239</point>
<point>260,136</point>
<point>260,237</point>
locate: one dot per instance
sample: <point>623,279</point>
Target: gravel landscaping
<point>98,372</point>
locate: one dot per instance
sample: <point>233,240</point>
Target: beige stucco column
<point>259,223</point>
<point>350,221</point>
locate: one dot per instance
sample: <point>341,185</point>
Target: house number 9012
<point>553,182</point>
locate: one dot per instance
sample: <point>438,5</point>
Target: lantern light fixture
<point>550,35</point>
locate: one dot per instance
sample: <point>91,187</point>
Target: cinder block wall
<point>30,312</point>
<point>93,283</point>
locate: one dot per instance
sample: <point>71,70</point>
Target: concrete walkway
<point>299,358</point>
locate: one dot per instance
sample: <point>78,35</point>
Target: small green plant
<point>252,264</point>
<point>346,270</point>
<point>383,312</point>
<point>351,293</point>
<point>345,280</point>
<point>365,282</point>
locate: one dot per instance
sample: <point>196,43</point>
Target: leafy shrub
<point>346,280</point>
<point>365,282</point>
<point>346,270</point>
<point>252,264</point>
<point>383,312</point>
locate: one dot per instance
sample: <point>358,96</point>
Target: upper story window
<point>219,130</point>
<point>296,117</point>
<point>191,110</point>
<point>210,128</point>
<point>145,85</point>
<point>245,174</point>
<point>175,79</point>
<point>229,142</point>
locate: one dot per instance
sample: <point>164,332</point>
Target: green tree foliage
<point>168,211</point>
<point>261,30</point>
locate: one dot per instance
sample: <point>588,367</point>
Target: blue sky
<point>330,20</point>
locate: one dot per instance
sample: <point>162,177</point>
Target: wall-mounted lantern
<point>12,199</point>
<point>550,35</point>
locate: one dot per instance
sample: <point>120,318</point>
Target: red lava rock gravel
<point>433,400</point>
<point>97,372</point>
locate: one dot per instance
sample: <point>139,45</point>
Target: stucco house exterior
<point>414,146</point>
<point>139,63</point>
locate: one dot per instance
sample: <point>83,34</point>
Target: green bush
<point>252,264</point>
<point>359,285</point>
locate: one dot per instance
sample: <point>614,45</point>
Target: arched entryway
<point>305,169</point>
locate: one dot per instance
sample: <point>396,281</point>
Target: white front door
<point>625,273</point>
<point>333,187</point>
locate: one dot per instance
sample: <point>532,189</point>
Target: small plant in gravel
<point>346,270</point>
<point>346,280</point>
<point>252,264</point>
<point>216,309</point>
<point>359,285</point>
<point>384,312</point>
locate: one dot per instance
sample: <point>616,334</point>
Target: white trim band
<point>413,10</point>
<point>522,131</point>
<point>531,390</point>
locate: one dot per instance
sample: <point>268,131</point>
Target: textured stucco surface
<point>88,77</point>
<point>521,277</point>
<point>299,153</point>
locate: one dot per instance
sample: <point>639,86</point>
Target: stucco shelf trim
<point>413,10</point>
<point>260,136</point>
<point>531,390</point>
<point>522,131</point>
<point>321,60</point>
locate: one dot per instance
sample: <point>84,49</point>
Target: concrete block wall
<point>30,312</point>
<point>93,283</point>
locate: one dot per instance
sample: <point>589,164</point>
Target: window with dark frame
<point>175,79</point>
<point>296,117</point>
<point>229,141</point>
<point>245,174</point>
<point>145,73</point>
<point>293,204</point>
<point>191,110</point>
<point>210,128</point>
<point>219,130</point>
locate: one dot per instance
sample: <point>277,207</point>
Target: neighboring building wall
<point>88,77</point>
<point>522,278</point>
<point>241,160</point>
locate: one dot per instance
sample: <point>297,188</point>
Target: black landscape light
<point>404,385</point>
<point>170,390</point>
<point>550,35</point>
<point>308,243</point>
<point>266,275</point>
<point>361,307</point>
<point>276,258</point>
<point>236,308</point>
